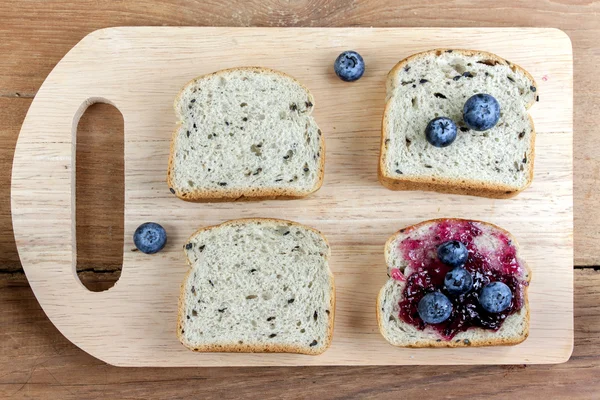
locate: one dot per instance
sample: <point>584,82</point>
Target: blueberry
<point>495,297</point>
<point>349,66</point>
<point>440,132</point>
<point>453,253</point>
<point>481,112</point>
<point>150,238</point>
<point>434,308</point>
<point>458,281</point>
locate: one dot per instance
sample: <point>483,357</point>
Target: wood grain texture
<point>99,186</point>
<point>99,192</point>
<point>38,362</point>
<point>12,112</point>
<point>36,35</point>
<point>354,212</point>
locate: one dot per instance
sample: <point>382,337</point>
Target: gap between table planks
<point>140,70</point>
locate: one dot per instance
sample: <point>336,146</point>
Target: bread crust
<point>228,194</point>
<point>499,341</point>
<point>257,348</point>
<point>449,185</point>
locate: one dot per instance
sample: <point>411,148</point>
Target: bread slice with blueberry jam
<point>245,133</point>
<point>496,162</point>
<point>257,285</point>
<point>415,269</point>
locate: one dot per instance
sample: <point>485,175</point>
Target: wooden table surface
<point>36,361</point>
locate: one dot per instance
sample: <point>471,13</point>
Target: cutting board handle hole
<point>99,196</point>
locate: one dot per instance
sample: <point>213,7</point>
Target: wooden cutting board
<point>140,70</point>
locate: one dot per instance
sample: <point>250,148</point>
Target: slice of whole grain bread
<point>257,285</point>
<point>494,163</point>
<point>245,133</point>
<point>398,332</point>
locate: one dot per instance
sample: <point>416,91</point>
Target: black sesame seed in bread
<point>245,134</point>
<point>257,285</point>
<point>411,258</point>
<point>494,163</point>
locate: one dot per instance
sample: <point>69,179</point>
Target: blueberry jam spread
<point>427,274</point>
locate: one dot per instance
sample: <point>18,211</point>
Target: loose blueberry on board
<point>495,297</point>
<point>434,308</point>
<point>440,132</point>
<point>481,112</point>
<point>453,253</point>
<point>349,66</point>
<point>458,281</point>
<point>150,238</point>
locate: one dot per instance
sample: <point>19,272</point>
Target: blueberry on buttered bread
<point>245,133</point>
<point>487,98</point>
<point>454,283</point>
<point>257,285</point>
